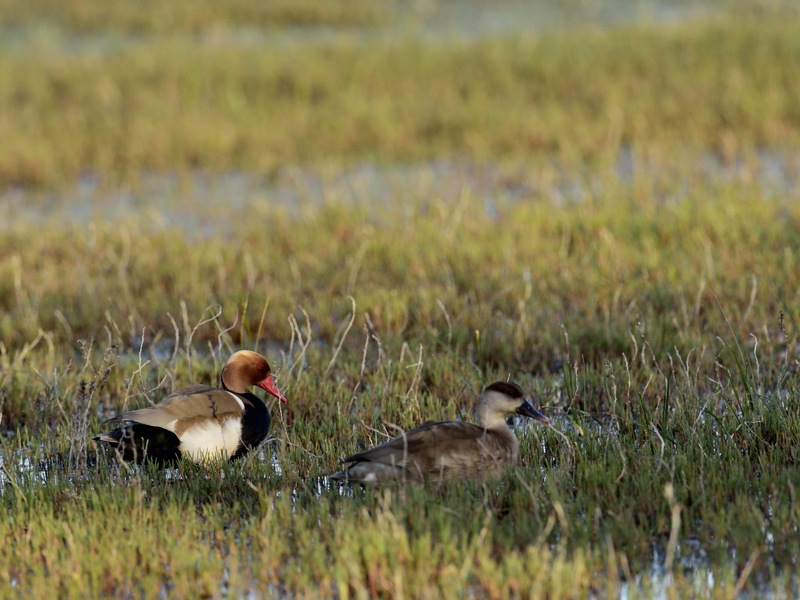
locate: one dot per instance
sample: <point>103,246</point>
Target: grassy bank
<point>158,18</point>
<point>660,335</point>
<point>178,102</point>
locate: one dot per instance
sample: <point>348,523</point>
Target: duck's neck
<point>514,448</point>
<point>233,381</point>
<point>488,416</point>
<point>492,420</point>
<point>496,427</point>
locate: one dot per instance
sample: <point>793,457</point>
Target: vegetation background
<point>400,203</point>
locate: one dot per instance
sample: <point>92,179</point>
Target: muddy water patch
<point>462,19</point>
<point>210,205</point>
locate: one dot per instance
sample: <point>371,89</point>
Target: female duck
<point>449,449</point>
<point>200,421</point>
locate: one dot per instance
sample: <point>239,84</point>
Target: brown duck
<point>449,449</point>
<point>200,421</point>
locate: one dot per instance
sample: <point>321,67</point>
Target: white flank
<point>239,400</point>
<point>212,439</point>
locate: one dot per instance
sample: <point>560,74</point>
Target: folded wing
<point>441,449</point>
<point>188,405</point>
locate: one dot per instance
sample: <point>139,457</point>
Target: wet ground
<point>201,204</point>
<point>204,204</point>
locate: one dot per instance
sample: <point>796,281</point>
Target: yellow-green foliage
<point>651,313</point>
<point>631,315</point>
<point>154,17</point>
<point>179,102</point>
<point>125,543</point>
<point>526,268</point>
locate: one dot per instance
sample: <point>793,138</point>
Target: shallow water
<point>31,472</point>
<point>476,18</point>
<point>437,19</point>
<point>205,206</point>
<point>691,559</point>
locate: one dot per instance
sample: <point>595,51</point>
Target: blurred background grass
<point>106,98</point>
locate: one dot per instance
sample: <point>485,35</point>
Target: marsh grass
<point>632,323</point>
<point>93,16</point>
<point>651,311</point>
<point>179,103</point>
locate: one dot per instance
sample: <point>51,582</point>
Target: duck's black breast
<point>255,424</point>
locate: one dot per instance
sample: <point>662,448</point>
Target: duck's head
<point>247,368</point>
<point>501,399</point>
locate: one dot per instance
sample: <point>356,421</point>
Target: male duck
<point>200,421</point>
